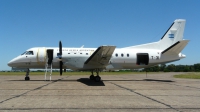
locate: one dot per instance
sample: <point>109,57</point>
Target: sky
<point>92,23</point>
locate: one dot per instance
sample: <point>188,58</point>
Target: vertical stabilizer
<point>173,34</point>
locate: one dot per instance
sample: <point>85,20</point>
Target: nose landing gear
<point>27,78</point>
<point>27,75</point>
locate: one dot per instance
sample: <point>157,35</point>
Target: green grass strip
<point>195,75</point>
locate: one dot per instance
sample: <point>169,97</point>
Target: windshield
<point>27,53</point>
<point>24,53</point>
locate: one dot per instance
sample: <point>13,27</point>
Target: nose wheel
<point>27,75</point>
<point>27,78</point>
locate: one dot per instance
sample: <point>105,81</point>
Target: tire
<point>27,78</point>
<point>92,77</point>
<point>97,79</point>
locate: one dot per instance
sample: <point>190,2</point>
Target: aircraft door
<point>142,58</point>
<point>41,56</point>
<point>49,56</point>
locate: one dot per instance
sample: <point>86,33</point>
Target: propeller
<point>60,57</point>
<point>61,64</point>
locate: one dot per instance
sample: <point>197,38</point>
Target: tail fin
<point>173,34</point>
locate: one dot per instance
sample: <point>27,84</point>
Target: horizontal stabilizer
<point>176,48</point>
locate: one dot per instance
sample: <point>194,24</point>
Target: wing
<point>100,58</point>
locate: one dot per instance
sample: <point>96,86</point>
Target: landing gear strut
<point>27,75</point>
<point>92,76</point>
<point>95,78</point>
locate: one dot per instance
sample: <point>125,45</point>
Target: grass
<point>195,75</point>
<point>74,73</point>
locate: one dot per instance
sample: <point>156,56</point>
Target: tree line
<point>174,68</point>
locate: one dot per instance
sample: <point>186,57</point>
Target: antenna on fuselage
<point>82,46</point>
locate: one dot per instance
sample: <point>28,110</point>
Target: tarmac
<point>115,93</point>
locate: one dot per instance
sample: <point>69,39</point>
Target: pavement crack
<point>145,96</point>
<point>16,96</point>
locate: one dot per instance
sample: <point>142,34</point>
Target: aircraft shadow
<point>89,82</point>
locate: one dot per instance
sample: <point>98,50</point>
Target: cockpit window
<point>27,53</point>
<point>24,53</point>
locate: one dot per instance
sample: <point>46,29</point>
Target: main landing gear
<point>95,78</point>
<point>27,75</point>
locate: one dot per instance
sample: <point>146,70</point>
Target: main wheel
<point>97,79</point>
<point>91,77</point>
<point>27,78</point>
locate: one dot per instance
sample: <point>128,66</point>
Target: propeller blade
<point>59,54</point>
<point>61,66</point>
<point>60,57</point>
<point>60,48</point>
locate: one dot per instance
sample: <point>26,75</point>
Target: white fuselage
<point>106,57</point>
<point>74,58</point>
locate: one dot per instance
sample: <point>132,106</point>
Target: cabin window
<point>68,53</point>
<point>116,55</point>
<point>127,55</point>
<point>80,53</point>
<point>122,55</point>
<point>86,53</point>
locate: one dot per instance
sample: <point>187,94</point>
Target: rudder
<point>173,34</point>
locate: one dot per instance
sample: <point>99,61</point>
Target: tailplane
<point>176,48</point>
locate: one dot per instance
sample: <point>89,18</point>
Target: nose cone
<point>10,63</point>
<point>13,62</point>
